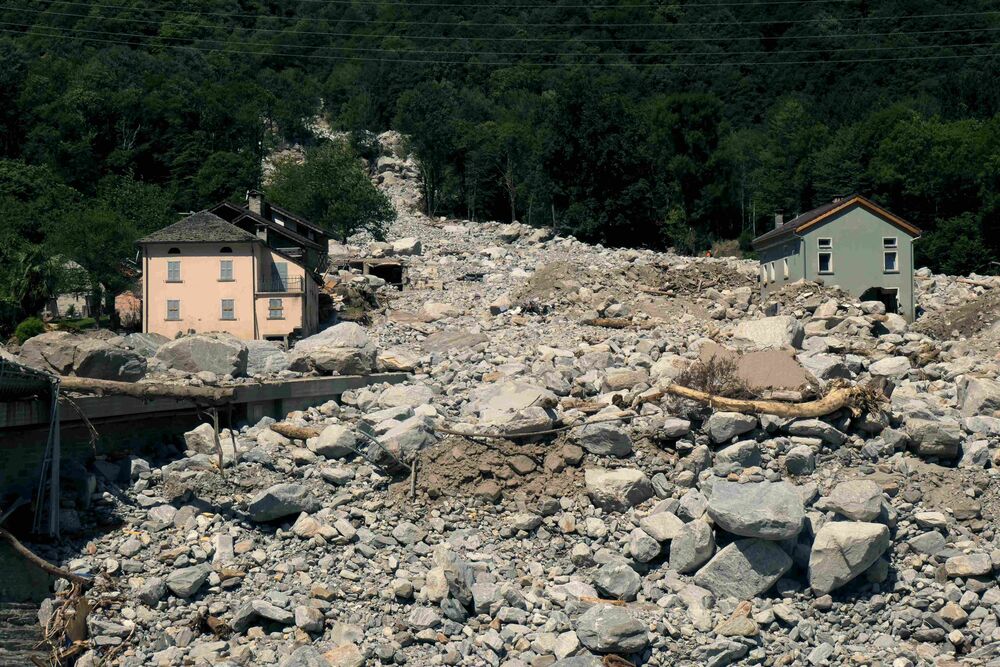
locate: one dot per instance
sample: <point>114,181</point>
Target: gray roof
<point>797,221</point>
<point>200,227</point>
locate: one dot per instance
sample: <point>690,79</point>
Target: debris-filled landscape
<point>601,457</point>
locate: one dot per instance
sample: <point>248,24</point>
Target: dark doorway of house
<point>887,295</point>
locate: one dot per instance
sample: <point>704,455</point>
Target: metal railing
<point>289,284</point>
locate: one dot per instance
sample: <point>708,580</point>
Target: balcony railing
<point>289,284</point>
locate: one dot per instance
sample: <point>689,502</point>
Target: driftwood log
<point>615,323</point>
<point>856,397</point>
<point>145,390</point>
<point>295,432</point>
<point>40,563</point>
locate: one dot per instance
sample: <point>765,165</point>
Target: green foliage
<point>28,328</point>
<point>956,246</point>
<point>332,190</point>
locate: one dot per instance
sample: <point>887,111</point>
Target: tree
<point>332,190</point>
<point>427,115</point>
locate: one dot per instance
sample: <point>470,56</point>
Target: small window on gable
<point>226,250</point>
<point>824,242</point>
<point>174,251</point>
<point>889,262</point>
<point>889,242</point>
<point>825,262</point>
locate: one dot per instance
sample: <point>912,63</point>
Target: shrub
<point>29,328</point>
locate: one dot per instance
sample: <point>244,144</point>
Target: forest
<point>656,124</point>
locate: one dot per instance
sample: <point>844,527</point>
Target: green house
<point>852,243</point>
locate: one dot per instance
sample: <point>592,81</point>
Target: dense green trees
<point>330,190</point>
<point>656,124</point>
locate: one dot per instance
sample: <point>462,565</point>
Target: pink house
<point>204,274</point>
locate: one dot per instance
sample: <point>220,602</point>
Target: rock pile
<point>668,533</point>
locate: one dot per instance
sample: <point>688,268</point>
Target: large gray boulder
<point>281,500</point>
<point>610,629</point>
<point>617,490</point>
<point>771,332</point>
<point>185,582</point>
<point>604,440</point>
<point>452,339</point>
<point>334,442</point>
<point>65,353</point>
<point>937,437</point>
<point>343,349</point>
<point>724,426</point>
<point>978,396</point>
<point>744,569</point>
<point>219,353</point>
<point>766,510</point>
<point>618,581</point>
<point>842,551</point>
<point>692,547</point>
<point>857,500</point>
<point>265,357</point>
<point>145,344</point>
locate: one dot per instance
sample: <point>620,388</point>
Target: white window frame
<point>895,261</point>
<point>819,263</point>
<point>824,243</point>
<point>173,309</point>
<point>232,310</point>
<point>223,263</point>
<point>271,309</point>
<point>890,242</point>
<point>171,276</point>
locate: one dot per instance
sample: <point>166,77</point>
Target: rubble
<point>588,516</point>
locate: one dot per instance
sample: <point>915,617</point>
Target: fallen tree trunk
<point>40,563</point>
<point>295,432</point>
<point>856,397</point>
<point>614,323</point>
<point>144,390</point>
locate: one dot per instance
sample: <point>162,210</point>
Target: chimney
<point>779,219</point>
<point>255,202</point>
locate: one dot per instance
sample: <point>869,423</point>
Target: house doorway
<point>889,296</point>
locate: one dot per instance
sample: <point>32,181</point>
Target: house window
<point>174,251</point>
<point>889,262</point>
<point>772,271</point>
<point>275,309</point>
<point>784,263</point>
<point>174,271</point>
<point>173,309</point>
<point>763,273</point>
<point>825,243</point>
<point>228,309</point>
<point>889,242</point>
<point>279,276</point>
<point>226,250</point>
<point>825,262</point>
<point>226,270</point>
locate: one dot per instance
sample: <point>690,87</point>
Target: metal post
<point>54,465</point>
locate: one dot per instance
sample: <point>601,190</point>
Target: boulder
<point>451,339</point>
<point>281,500</point>
<point>766,510</point>
<point>939,437</point>
<point>497,402</point>
<point>265,357</point>
<point>724,426</point>
<point>857,500</point>
<point>642,547</point>
<point>618,580</point>
<point>144,344</point>
<point>407,246</point>
<point>744,569</point>
<point>771,332</point>
<point>343,349</point>
<point>800,460</point>
<point>65,353</point>
<point>405,395</point>
<point>842,551</point>
<point>817,428</point>
<point>617,490</point>
<point>692,547</point>
<point>668,367</point>
<point>895,367</point>
<point>976,396</point>
<point>396,361</point>
<point>604,440</point>
<point>610,629</point>
<point>432,311</point>
<point>402,441</point>
<point>334,442</point>
<point>662,526</point>
<point>185,582</point>
<point>218,353</point>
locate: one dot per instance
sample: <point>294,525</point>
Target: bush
<point>717,376</point>
<point>29,328</point>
